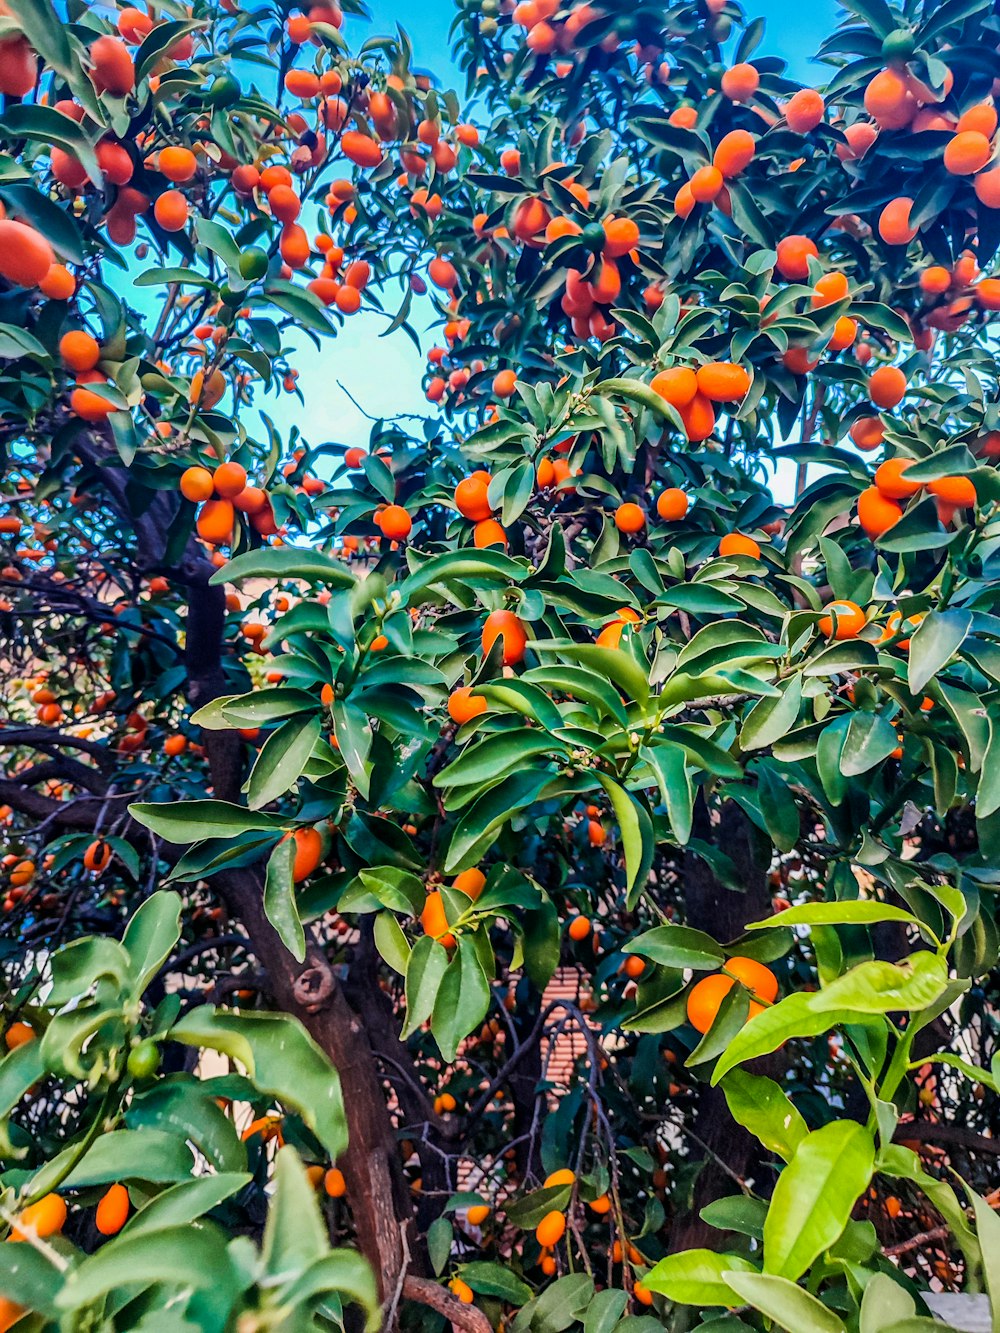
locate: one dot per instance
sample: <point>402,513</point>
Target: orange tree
<point>313,783</point>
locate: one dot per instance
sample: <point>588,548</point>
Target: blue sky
<point>388,383</point>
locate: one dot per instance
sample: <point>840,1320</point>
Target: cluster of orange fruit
<point>221,494</point>
<point>880,507</point>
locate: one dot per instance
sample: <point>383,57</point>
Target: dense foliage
<point>521,873</point>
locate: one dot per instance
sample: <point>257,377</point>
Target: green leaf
<point>282,1060</point>
<point>280,906</point>
<point>604,1311</point>
<point>877,987</point>
<point>793,1016</point>
<point>151,935</point>
<point>281,760</point>
<point>285,562</point>
<point>462,999</point>
<point>792,1309</point>
<point>937,639</point>
<point>495,755</point>
<point>815,1196</point>
<point>180,1107</point>
<point>28,1277</point>
<point>635,391</point>
<point>988,1231</point>
<point>678,946</point>
<point>669,765</point>
<point>295,1233</point>
<point>185,1203</point>
<point>864,912</point>
<point>772,718</point>
<point>440,1236</point>
<point>391,942</point>
<point>638,841</point>
<point>189,821</point>
<point>695,1277</point>
<point>763,1108</point>
<point>46,125</point>
<point>428,964</point>
<point>159,40</point>
<point>870,740</point>
<point>132,1154</point>
<point>143,1259</point>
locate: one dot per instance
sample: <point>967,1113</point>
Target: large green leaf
<point>763,1108</point>
<point>133,1154</point>
<point>151,935</point>
<point>189,821</point>
<point>696,1277</point>
<point>678,946</point>
<point>937,639</point>
<point>282,1060</point>
<point>139,1260</point>
<point>282,759</point>
<point>462,999</point>
<point>279,899</point>
<point>791,1308</point>
<point>815,1196</point>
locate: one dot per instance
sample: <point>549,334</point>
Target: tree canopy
<point>532,872</point>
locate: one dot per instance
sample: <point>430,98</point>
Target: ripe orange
<point>735,543</point>
<point>112,1211</point>
<point>308,852</point>
<point>887,386</point>
<point>171,210</point>
<point>395,523</point>
<point>876,514</point>
<point>894,222</point>
<point>215,522</point>
<point>47,1217</point>
<point>334,1183</point>
<point>935,280</point>
<point>723,381</point>
<point>551,1229</point>
<point>471,882</point>
<point>25,254</point>
<point>505,625</point>
<point>705,999</point>
<point>18,1034</point>
<point>676,385</point>
<point>867,433</point>
<point>97,856</point>
<point>957,491</point>
<point>734,153</point>
<point>463,706</point>
<point>831,287</point>
<point>622,236</point>
<point>740,82</point>
<point>755,976</point>
<point>892,483</point>
<point>196,484</point>
<point>672,505</point>
<point>805,110</point>
<point>113,70</point>
<point>488,532</point>
<point>434,920</point>
<point>79,350</point>
<point>503,383</point>
<point>843,620</point>
<point>698,418</point>
<point>579,928</point>
<point>705,184</point>
<point>477,1214</point>
<point>629,518</point>
<point>229,479</point>
<point>177,164</point>
<point>967,153</point>
<point>470,496</point>
<point>794,253</point>
<point>888,100</point>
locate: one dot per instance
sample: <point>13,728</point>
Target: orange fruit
<point>894,222</point>
<point>740,82</point>
<point>629,518</point>
<point>113,70</point>
<point>334,1183</point>
<point>434,920</point>
<point>477,1214</point>
<point>987,187</point>
<point>734,153</point>
<point>471,882</point>
<point>887,386</point>
<point>794,253</point>
<point>957,491</point>
<point>888,100</point>
<point>843,620</point>
<point>805,110</point>
<point>488,532</point>
<point>672,504</point>
<point>171,210</point>
<point>503,383</point>
<point>676,385</point>
<point>229,479</point>
<point>735,543</point>
<point>867,433</point>
<point>892,483</point>
<point>463,706</point>
<point>935,280</point>
<point>723,381</point>
<point>196,484</point>
<point>967,152</point>
<point>47,1217</point>
<point>579,928</point>
<point>981,117</point>
<point>395,523</point>
<point>79,350</point>
<point>755,976</point>
<point>18,1034</point>
<point>308,852</point>
<point>506,626</point>
<point>112,1211</point>
<point>551,1229</point>
<point>705,999</point>
<point>876,514</point>
<point>470,497</point>
<point>215,522</point>
<point>705,184</point>
<point>178,164</point>
<point>698,418</point>
<point>25,254</point>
